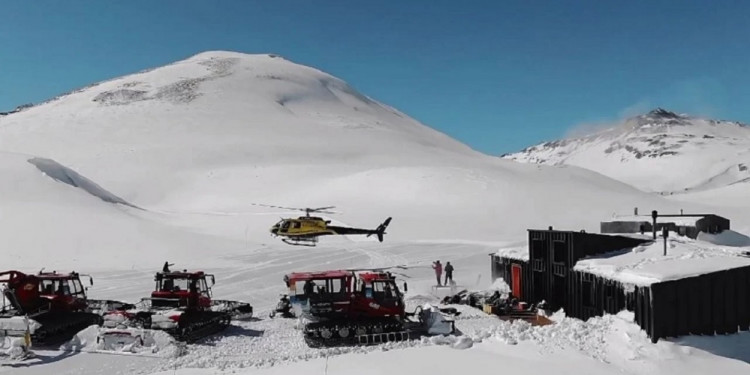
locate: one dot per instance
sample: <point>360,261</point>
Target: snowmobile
<point>55,305</point>
<point>181,306</point>
<point>343,308</point>
<point>283,307</point>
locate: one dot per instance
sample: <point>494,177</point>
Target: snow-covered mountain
<point>660,151</point>
<point>221,130</point>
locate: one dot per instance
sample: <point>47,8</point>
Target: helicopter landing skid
<point>301,242</point>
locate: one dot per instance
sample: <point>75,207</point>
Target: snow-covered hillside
<point>164,165</point>
<point>221,130</point>
<point>660,151</point>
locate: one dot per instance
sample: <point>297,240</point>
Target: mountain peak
<point>221,54</point>
<point>651,151</point>
<point>663,113</point>
<point>656,118</point>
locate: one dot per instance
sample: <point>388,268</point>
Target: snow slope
<point>48,223</point>
<point>657,152</point>
<point>118,177</point>
<point>220,130</point>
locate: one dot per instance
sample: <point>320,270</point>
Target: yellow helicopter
<point>305,230</point>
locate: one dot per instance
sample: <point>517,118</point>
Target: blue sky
<point>497,75</point>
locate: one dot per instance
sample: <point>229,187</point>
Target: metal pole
<point>665,234</point>
<point>654,214</point>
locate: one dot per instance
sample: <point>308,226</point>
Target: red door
<point>516,280</point>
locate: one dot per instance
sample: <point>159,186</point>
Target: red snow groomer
<point>346,307</point>
<point>55,303</point>
<point>181,305</point>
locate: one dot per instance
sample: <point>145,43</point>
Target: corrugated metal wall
<point>714,303</point>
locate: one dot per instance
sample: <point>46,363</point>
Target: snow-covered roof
<point>517,252</point>
<point>647,264</point>
<point>678,220</point>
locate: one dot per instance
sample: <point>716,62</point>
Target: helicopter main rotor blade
<point>308,210</point>
<point>321,208</point>
<point>283,208</point>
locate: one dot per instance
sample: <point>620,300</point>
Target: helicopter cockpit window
<point>285,225</point>
<point>297,225</point>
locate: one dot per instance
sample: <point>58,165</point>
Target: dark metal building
<point>686,225</point>
<point>663,309</point>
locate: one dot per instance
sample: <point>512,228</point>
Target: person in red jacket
<point>438,271</point>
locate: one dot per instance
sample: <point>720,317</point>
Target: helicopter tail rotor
<point>380,231</point>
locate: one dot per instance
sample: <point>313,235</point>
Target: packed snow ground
<point>187,148</point>
<point>611,344</point>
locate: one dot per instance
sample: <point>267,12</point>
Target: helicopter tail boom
<point>379,231</point>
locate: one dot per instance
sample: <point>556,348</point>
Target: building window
<point>559,270</point>
<point>538,265</point>
<point>538,249</point>
<point>560,252</point>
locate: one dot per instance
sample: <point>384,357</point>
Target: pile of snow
<point>12,348</point>
<point>647,264</point>
<point>152,343</point>
<point>500,285</point>
<point>612,344</point>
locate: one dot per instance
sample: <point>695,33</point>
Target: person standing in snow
<point>448,273</point>
<point>438,271</point>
